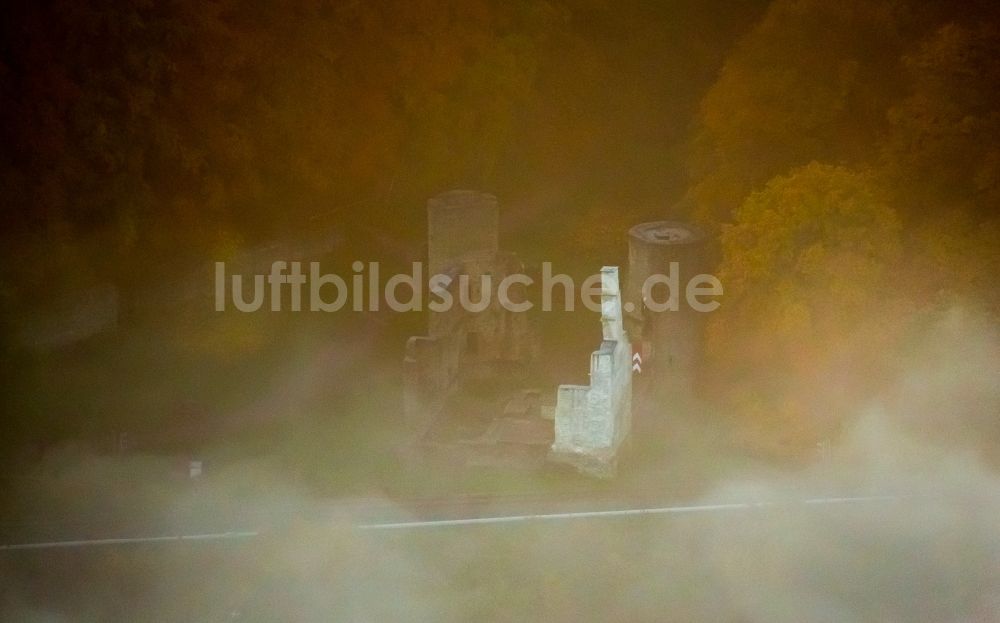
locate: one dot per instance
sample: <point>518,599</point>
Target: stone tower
<point>463,344</point>
<point>674,336</point>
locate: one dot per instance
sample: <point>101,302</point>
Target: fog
<point>920,541</point>
<point>824,446</point>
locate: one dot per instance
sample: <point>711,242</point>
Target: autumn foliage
<point>853,184</point>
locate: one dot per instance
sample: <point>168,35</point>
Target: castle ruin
<point>463,345</point>
<point>589,425</point>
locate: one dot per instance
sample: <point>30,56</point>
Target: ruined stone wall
<point>592,421</point>
<point>427,380</point>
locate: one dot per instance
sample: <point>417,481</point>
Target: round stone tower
<point>675,251</point>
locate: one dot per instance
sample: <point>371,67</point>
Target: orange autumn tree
<point>805,318</point>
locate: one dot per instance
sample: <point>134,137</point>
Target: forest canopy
<point>853,184</point>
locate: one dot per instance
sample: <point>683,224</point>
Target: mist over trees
<point>845,154</point>
<point>853,182</point>
<point>833,455</point>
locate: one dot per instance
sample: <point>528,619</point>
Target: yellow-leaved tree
<point>807,313</point>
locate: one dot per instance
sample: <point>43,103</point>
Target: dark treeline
<point>141,135</point>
